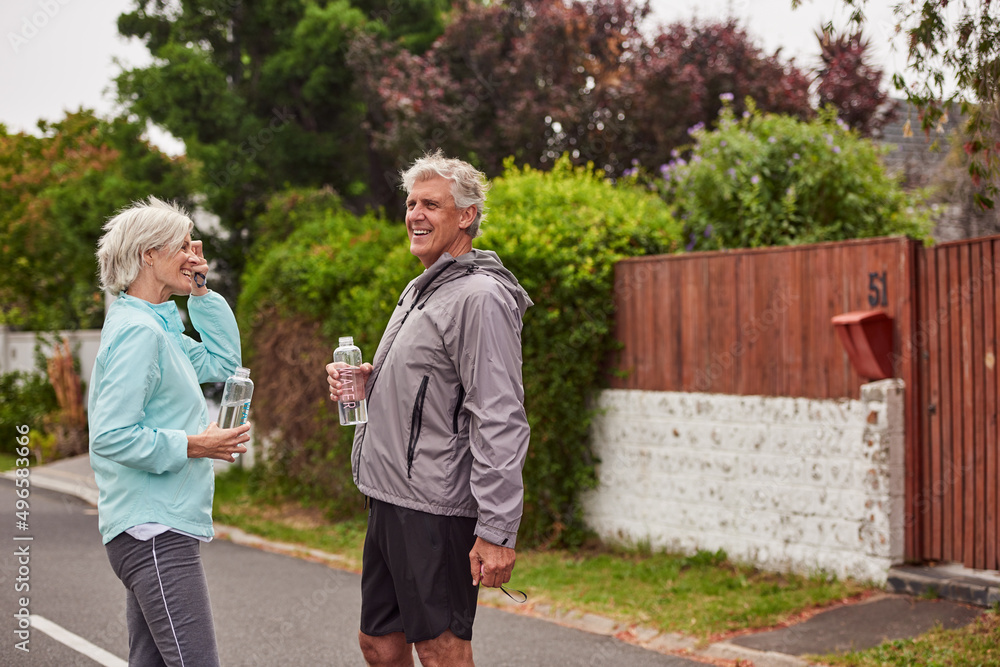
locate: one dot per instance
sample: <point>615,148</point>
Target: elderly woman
<point>150,434</point>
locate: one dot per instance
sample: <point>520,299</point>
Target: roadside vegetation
<point>974,645</point>
<point>705,596</point>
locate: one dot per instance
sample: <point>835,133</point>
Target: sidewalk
<point>896,614</point>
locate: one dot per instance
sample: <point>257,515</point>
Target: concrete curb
<point>972,587</point>
<point>668,643</point>
<point>727,651</point>
<point>237,536</point>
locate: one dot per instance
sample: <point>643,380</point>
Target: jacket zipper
<point>458,408</point>
<point>415,420</point>
<point>369,391</point>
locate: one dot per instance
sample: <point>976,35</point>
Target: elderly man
<point>441,456</point>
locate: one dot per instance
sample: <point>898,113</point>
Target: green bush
<point>559,232</point>
<point>316,273</point>
<point>28,400</point>
<point>766,180</point>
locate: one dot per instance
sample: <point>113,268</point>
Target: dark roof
<point>917,156</point>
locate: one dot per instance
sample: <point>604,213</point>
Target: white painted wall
<point>17,349</point>
<point>789,484</point>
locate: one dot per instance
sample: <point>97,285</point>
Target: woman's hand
<point>337,387</point>
<point>200,269</point>
<point>219,443</point>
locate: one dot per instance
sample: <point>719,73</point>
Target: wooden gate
<point>953,512</point>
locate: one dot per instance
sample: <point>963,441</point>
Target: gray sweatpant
<point>168,610</point>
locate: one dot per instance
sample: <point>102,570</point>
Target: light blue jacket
<point>145,400</point>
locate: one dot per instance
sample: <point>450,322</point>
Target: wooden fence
<point>758,322</point>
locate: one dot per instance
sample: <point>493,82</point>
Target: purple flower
<point>771,140</point>
<point>708,231</point>
<point>795,156</point>
<point>836,149</point>
<point>697,127</point>
<point>731,172</point>
<point>726,97</point>
<point>755,179</point>
<point>723,143</point>
<point>690,246</point>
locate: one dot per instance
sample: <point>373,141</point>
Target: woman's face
<point>172,271</point>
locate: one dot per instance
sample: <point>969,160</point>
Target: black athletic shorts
<point>415,575</point>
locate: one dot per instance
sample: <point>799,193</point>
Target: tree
<point>953,56</point>
<point>849,82</point>
<point>534,80</point>
<point>56,192</point>
<point>522,79</point>
<point>694,69</point>
<point>261,94</point>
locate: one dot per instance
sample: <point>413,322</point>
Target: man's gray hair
<point>468,185</point>
<point>146,225</point>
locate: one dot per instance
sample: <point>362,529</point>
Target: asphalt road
<point>270,609</point>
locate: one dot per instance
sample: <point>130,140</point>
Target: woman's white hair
<point>468,185</point>
<point>146,225</point>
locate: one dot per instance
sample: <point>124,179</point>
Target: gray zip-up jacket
<point>447,433</point>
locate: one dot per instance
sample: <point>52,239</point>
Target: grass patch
<point>240,503</point>
<point>976,644</point>
<point>704,595</point>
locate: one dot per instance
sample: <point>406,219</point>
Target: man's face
<point>433,223</point>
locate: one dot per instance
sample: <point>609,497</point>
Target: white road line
<point>76,642</point>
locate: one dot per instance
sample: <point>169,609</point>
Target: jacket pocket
<point>416,418</point>
<point>180,487</point>
<point>458,409</point>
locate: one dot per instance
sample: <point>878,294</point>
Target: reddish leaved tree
<point>537,79</point>
<point>849,82</point>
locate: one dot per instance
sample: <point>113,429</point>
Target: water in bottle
<point>236,396</point>
<point>353,406</point>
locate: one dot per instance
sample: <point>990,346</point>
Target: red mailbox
<point>867,337</point>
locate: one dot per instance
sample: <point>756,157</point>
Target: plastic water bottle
<point>236,396</point>
<point>352,405</point>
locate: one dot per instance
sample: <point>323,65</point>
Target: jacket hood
<point>448,267</point>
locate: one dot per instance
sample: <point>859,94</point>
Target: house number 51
<point>878,293</point>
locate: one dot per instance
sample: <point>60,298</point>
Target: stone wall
<point>789,484</point>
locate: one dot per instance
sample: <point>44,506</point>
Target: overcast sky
<point>58,55</point>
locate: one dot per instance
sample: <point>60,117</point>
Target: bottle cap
<point>243,372</point>
<point>346,340</point>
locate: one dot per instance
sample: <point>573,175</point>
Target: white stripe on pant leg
<point>177,642</point>
<point>76,642</point>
